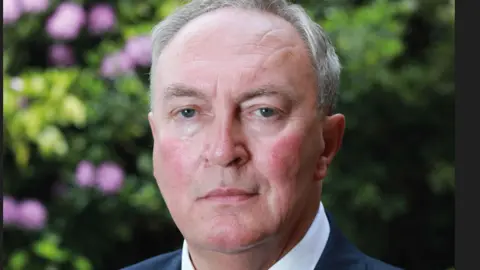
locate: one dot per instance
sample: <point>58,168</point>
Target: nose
<point>224,145</point>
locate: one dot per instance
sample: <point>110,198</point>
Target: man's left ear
<point>333,129</point>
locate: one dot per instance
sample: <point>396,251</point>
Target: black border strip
<point>467,136</point>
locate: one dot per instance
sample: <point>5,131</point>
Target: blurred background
<point>77,172</point>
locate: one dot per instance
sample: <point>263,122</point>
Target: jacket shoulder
<point>167,261</point>
<point>341,254</point>
<point>374,264</point>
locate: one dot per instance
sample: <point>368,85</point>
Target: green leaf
<point>18,260</point>
<point>126,8</point>
<point>144,163</point>
<point>48,248</point>
<point>123,232</point>
<point>9,102</point>
<point>137,30</point>
<point>61,81</point>
<point>367,196</point>
<point>130,85</point>
<point>52,142</point>
<point>73,110</point>
<point>166,8</point>
<point>89,86</point>
<point>442,178</point>
<point>6,61</point>
<point>82,263</point>
<point>32,121</point>
<point>147,197</point>
<point>391,48</point>
<point>22,153</point>
<point>35,85</point>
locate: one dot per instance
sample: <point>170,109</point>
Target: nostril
<point>236,161</point>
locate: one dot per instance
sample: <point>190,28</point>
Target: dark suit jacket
<point>339,254</point>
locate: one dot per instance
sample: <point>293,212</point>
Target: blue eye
<point>188,112</point>
<point>266,112</point>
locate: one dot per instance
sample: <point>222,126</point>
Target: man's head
<point>242,93</point>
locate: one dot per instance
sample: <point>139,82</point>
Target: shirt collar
<point>304,255</point>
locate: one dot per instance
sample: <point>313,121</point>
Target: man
<point>242,99</point>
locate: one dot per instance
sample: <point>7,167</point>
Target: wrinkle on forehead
<point>274,34</point>
<point>266,44</point>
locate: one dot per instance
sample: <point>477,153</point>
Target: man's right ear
<point>152,124</point>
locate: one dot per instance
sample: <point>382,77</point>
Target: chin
<point>231,245</point>
<point>231,240</point>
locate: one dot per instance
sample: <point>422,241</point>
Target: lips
<point>229,194</point>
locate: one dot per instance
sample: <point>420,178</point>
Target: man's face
<point>238,142</point>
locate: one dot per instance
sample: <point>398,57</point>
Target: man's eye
<point>266,112</point>
<point>188,112</point>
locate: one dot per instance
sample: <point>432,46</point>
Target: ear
<point>333,130</point>
<point>152,125</point>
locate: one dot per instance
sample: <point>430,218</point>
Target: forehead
<point>233,26</point>
<point>236,47</point>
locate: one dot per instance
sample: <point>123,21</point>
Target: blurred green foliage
<point>390,189</point>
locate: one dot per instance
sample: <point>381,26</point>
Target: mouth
<point>229,195</point>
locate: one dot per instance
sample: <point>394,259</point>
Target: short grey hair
<point>322,53</point>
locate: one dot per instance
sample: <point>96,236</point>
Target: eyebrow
<point>178,90</point>
<point>268,90</point>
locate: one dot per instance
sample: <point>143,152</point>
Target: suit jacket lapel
<point>339,253</point>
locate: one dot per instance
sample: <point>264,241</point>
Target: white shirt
<point>304,255</point>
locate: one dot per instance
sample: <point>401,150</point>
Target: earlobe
<point>321,169</point>
<point>333,135</point>
<point>333,131</point>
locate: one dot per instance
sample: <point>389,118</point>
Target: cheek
<point>281,169</point>
<point>171,164</point>
<point>280,166</point>
<point>284,159</point>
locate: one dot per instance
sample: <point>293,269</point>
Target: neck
<point>265,254</point>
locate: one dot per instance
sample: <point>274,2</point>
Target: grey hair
<point>322,53</point>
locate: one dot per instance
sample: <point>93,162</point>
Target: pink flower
<point>85,174</point>
<point>109,178</point>
<point>116,64</point>
<point>32,215</point>
<point>101,19</point>
<point>10,211</point>
<point>35,6</point>
<point>66,22</point>
<point>61,55</point>
<point>140,50</point>
<point>11,11</point>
